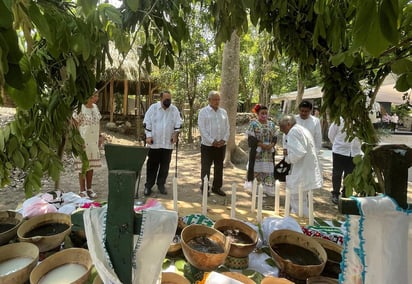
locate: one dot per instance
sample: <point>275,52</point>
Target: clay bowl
<point>239,277</point>
<point>321,280</point>
<point>9,223</point>
<point>67,256</point>
<point>275,280</point>
<point>173,278</point>
<point>238,249</point>
<point>49,240</point>
<point>15,251</point>
<point>334,254</point>
<point>301,257</point>
<point>176,246</point>
<point>204,261</point>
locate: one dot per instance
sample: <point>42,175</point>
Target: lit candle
<point>204,200</point>
<point>233,203</point>
<point>260,201</point>
<point>254,187</point>
<point>300,202</point>
<point>175,193</point>
<point>310,197</point>
<point>277,197</point>
<point>287,202</point>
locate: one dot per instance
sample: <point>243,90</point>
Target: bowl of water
<point>71,265</point>
<point>9,223</point>
<point>296,254</point>
<point>204,247</point>
<point>17,261</point>
<point>243,238</point>
<point>47,231</point>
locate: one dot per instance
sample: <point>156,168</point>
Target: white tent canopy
<point>386,94</point>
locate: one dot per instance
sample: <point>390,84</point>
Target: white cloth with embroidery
<point>375,247</point>
<point>150,247</point>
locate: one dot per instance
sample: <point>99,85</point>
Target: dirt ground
<point>188,179</point>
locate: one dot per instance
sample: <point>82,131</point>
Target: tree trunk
<point>301,89</point>
<point>230,89</point>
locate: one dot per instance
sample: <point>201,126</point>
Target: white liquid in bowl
<point>66,273</point>
<point>13,264</point>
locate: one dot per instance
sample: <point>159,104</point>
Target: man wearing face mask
<point>162,125</point>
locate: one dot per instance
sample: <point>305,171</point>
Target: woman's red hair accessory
<point>256,108</point>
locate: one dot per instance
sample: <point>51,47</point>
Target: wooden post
<point>111,100</point>
<point>120,222</point>
<point>124,164</point>
<point>393,162</point>
<point>125,96</point>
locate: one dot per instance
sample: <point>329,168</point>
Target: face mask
<point>167,102</point>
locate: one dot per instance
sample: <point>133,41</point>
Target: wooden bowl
<point>238,249</point>
<point>334,254</point>
<point>203,260</point>
<point>308,248</point>
<point>275,280</point>
<point>239,277</point>
<point>321,280</point>
<point>19,250</point>
<point>67,256</point>
<point>44,242</point>
<point>9,223</point>
<point>173,278</point>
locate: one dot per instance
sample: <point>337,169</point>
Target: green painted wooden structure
<point>124,164</point>
<point>392,162</point>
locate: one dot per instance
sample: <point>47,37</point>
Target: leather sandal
<point>91,193</point>
<point>83,194</point>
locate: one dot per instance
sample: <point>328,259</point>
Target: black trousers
<point>157,167</point>
<point>212,155</point>
<point>341,165</point>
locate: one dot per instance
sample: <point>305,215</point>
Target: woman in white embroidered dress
<point>88,122</point>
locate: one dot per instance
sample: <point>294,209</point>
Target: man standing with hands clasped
<point>214,131</point>
<point>162,124</point>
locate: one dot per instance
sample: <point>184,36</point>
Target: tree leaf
<point>71,68</point>
<point>6,16</point>
<point>25,97</point>
<point>133,4</point>
<point>401,66</point>
<point>388,20</point>
<point>40,22</point>
<point>402,84</point>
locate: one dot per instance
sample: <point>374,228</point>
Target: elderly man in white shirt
<point>214,131</point>
<point>343,152</point>
<point>299,150</point>
<point>162,125</point>
<point>310,122</point>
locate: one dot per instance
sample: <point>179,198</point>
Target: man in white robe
<point>310,122</point>
<point>300,151</point>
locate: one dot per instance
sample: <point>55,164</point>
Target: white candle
<point>13,264</point>
<point>287,202</point>
<point>233,202</point>
<point>66,273</point>
<point>254,187</point>
<point>277,197</point>
<point>260,201</point>
<point>204,199</point>
<point>310,200</point>
<point>300,194</point>
<point>175,193</point>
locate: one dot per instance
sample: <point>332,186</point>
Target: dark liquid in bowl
<point>236,236</point>
<point>204,244</point>
<point>6,227</point>
<point>296,254</point>
<point>333,255</point>
<point>47,230</point>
